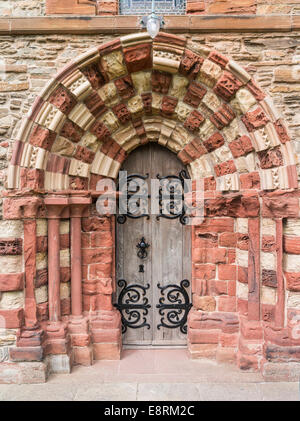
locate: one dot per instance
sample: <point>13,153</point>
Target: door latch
<point>142,248</point>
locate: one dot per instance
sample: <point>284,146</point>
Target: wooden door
<point>144,284</point>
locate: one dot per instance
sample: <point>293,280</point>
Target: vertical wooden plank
<point>169,255</point>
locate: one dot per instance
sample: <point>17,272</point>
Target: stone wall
<point>29,62</point>
<point>226,291</point>
<point>27,8</point>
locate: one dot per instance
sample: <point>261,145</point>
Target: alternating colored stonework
<point>208,110</point>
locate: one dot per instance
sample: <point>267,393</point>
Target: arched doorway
<point>153,285</point>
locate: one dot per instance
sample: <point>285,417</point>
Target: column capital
<point>55,205</point>
<point>78,204</point>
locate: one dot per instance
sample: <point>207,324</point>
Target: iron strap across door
<point>174,305</point>
<point>171,193</point>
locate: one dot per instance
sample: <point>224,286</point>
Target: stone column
<point>55,206</point>
<point>77,205</point>
<point>279,309</point>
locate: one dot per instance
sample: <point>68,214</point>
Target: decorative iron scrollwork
<point>142,246</point>
<point>173,205</point>
<point>177,307</point>
<point>133,305</point>
<point>134,188</point>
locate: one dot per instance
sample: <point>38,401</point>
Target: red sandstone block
<point>229,339</point>
<point>82,339</point>
<point>41,244</point>
<point>268,313</point>
<point>227,272</point>
<point>268,243</point>
<point>254,120</point>
<point>292,281</point>
<point>96,224</point>
<point>226,355</point>
<point>199,286</point>
<point>89,302</point>
<point>242,307</point>
<point>231,288</point>
<point>217,287</point>
<point>213,255</point>
<point>279,354</point>
<point>64,241</point>
<point>241,146</point>
<point>258,94</point>
<point>251,329</point>
<point>227,86</point>
<point>242,241</point>
<point>203,336</point>
<point>42,312</point>
<point>205,271</point>
<point>202,350</point>
<point>32,179</point>
<point>100,270</point>
<point>11,319</point>
<point>10,247</point>
<point>57,346</point>
<point>250,181</point>
<point>85,240</point>
<point>224,168</point>
<point>107,351</point>
<point>65,306</point>
<point>43,138</point>
<point>106,335</point>
<point>195,8</point>
<point>213,142</point>
<point>247,362</point>
<point>218,58</point>
<point>216,225</point>
<point>78,183</point>
<point>101,239</point>
<point>231,256</point>
<point>83,355</point>
<point>89,287</point>
<point>242,274</point>
<point>103,302</point>
<point>227,239</point>
<point>226,303</point>
<point>34,353</point>
<point>98,255</point>
<point>206,240</point>
<point>291,244</point>
<point>65,274</point>
<point>281,131</point>
<point>11,282</point>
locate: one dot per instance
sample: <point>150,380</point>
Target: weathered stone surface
<point>214,142</point>
<point>10,247</point>
<point>204,303</point>
<point>227,86</point>
<point>138,57</point>
<point>254,120</point>
<point>194,95</point>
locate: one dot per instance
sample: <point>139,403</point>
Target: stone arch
<point>198,103</point>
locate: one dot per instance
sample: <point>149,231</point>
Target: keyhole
<point>141,269</point>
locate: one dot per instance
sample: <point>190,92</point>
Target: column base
<point>83,355</point>
<point>60,363</point>
<point>24,372</point>
<point>107,351</point>
<point>281,372</point>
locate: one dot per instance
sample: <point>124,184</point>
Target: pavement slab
<point>154,375</point>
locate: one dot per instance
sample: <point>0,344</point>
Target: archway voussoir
<point>132,90</point>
